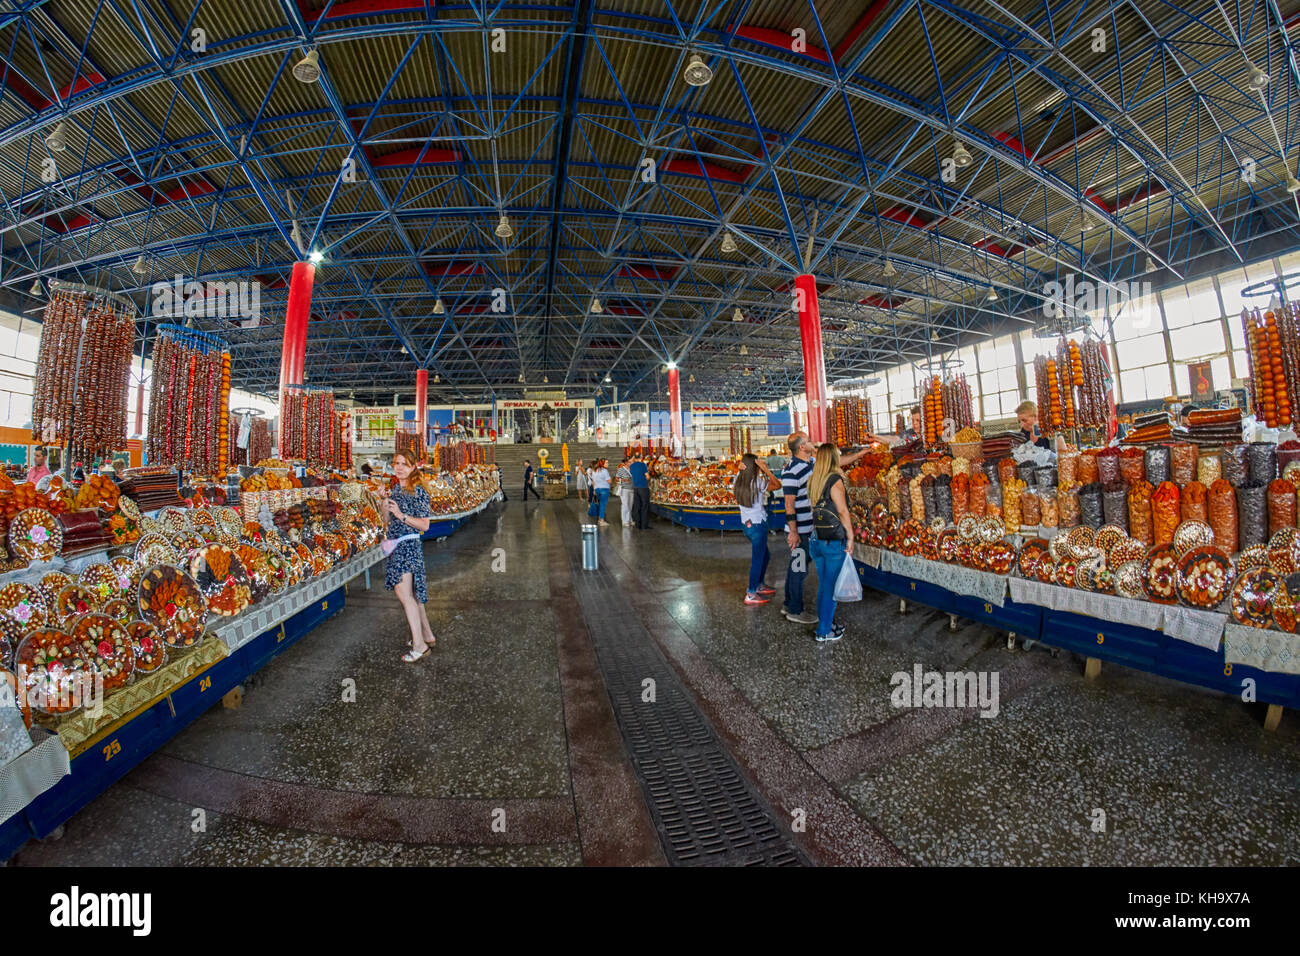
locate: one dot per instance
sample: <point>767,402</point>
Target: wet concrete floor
<point>501,748</point>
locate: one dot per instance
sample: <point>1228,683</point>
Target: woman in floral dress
<point>407,509</point>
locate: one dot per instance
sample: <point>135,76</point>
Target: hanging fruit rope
<point>1272,366</point>
<point>81,401</point>
<point>189,417</point>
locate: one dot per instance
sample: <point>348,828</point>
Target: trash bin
<point>589,540</point>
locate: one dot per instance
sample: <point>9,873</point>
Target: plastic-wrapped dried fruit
<point>1087,468</point>
<point>1205,577</point>
<point>1132,466</point>
<point>943,498</point>
<point>1160,574</point>
<point>1068,508</point>
<point>57,679</point>
<point>1108,465</point>
<point>1068,467</point>
<point>1157,461</point>
<point>1182,463</point>
<point>1050,514</point>
<point>1140,523</point>
<point>1281,506</point>
<point>1252,515</point>
<point>1114,504</point>
<point>960,496</point>
<point>1031,511</point>
<point>1192,534</point>
<point>1261,462</point>
<point>1223,515</point>
<point>1091,509</point>
<point>1166,512</point>
<point>1194,503</point>
<point>977,500</point>
<point>1232,461</point>
<point>1209,469</point>
<point>1006,470</point>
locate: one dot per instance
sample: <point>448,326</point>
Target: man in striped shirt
<point>799,520</point>
<point>623,478</point>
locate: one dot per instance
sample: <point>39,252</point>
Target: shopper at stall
<point>750,488</point>
<point>407,510</point>
<point>39,469</point>
<point>501,482</point>
<point>600,484</point>
<point>623,488</point>
<point>832,539</point>
<point>775,462</point>
<point>798,520</point>
<point>641,491</point>
<point>528,481</point>
<point>580,476</point>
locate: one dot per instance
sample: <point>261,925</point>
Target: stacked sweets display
<point>1171,523</point>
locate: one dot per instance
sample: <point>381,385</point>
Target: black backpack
<point>826,519</point>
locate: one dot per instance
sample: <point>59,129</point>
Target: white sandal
<point>411,657</point>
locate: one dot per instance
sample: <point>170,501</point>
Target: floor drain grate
<point>706,812</point>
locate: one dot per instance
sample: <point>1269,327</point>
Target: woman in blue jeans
<point>751,488</point>
<point>600,482</point>
<point>832,540</point>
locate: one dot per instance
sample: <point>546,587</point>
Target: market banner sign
<point>724,410</point>
<point>558,403</point>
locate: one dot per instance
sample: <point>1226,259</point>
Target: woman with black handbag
<point>832,540</point>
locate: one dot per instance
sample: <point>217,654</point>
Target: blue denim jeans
<point>829,557</point>
<point>794,575</point>
<point>602,499</point>
<point>759,554</point>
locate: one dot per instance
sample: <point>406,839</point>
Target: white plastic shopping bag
<point>847,586</point>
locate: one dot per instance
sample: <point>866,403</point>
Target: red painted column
<point>814,365</point>
<point>293,357</point>
<point>139,406</point>
<point>675,409</point>
<point>422,402</point>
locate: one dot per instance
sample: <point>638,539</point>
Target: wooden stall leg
<point>234,699</point>
<point>1273,717</point>
<point>1091,668</point>
<point>952,622</point>
<point>1011,640</point>
<point>902,605</point>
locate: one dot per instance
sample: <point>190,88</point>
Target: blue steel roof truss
<point>830,162</point>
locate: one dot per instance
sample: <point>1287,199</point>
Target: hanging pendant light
<point>37,289</point>
<point>57,140</point>
<point>596,308</point>
<point>961,157</point>
<point>690,378</point>
<point>307,70</point>
<point>992,296</point>
<point>744,350</point>
<point>504,230</point>
<point>728,244</point>
<point>737,315</point>
<point>546,380</point>
<point>1292,184</point>
<point>438,307</point>
<point>141,267</point>
<point>889,271</point>
<point>697,72</point>
<point>1257,78</point>
<point>436,379</point>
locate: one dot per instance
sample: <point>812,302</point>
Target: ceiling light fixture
<point>744,350</point>
<point>889,271</point>
<point>671,365</point>
<point>1292,184</point>
<point>57,141</point>
<point>546,380</point>
<point>307,70</point>
<point>37,289</point>
<point>691,379</point>
<point>141,267</point>
<point>961,157</point>
<point>697,72</point>
<point>521,376</point>
<point>1257,78</point>
<point>438,307</point>
<point>934,335</point>
<point>608,380</point>
<point>737,315</point>
<point>1150,265</point>
<point>436,379</point>
<point>504,230</point>
<point>728,244</point>
<point>992,296</point>
<point>596,307</point>
<point>316,258</point>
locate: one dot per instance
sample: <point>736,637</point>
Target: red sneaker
<point>764,589</point>
<point>756,599</point>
